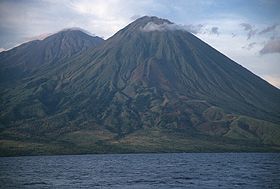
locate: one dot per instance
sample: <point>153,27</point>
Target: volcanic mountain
<point>24,59</point>
<point>152,87</point>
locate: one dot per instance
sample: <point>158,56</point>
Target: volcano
<point>21,61</point>
<point>152,87</point>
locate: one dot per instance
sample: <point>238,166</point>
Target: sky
<point>248,31</point>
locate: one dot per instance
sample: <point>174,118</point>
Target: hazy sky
<point>246,31</point>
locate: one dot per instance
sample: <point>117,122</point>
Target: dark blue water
<point>190,170</point>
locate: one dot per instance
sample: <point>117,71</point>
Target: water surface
<point>185,170</point>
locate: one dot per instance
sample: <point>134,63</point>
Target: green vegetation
<point>159,91</point>
<point>143,141</point>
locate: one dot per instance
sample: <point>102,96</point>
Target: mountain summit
<point>29,56</point>
<point>151,87</point>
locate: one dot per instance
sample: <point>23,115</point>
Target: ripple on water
<point>202,170</point>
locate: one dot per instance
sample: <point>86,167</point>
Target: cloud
<point>135,17</point>
<point>246,26</point>
<point>250,29</point>
<point>195,29</point>
<point>214,30</point>
<point>106,18</point>
<point>2,49</point>
<point>151,26</point>
<point>272,46</point>
<point>273,80</point>
<point>268,29</point>
<point>77,29</point>
<point>249,46</point>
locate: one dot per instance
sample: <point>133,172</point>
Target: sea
<point>143,171</point>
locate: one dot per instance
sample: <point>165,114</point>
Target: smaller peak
<point>75,29</point>
<point>72,29</point>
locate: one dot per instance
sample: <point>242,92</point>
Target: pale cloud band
<point>151,26</point>
<point>2,49</point>
<point>272,46</point>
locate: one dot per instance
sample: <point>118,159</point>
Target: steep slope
<point>24,59</point>
<point>155,89</point>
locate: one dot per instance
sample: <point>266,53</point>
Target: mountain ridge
<point>162,87</point>
<point>29,56</point>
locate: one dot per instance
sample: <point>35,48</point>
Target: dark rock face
<point>135,81</point>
